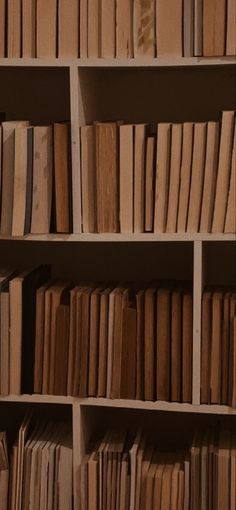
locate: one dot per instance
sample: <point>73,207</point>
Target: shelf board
<point>38,399</point>
<point>119,62</point>
<point>121,237</point>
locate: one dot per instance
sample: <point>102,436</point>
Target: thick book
<point>62,173</point>
<point>124,29</point>
<point>174,184</point>
<point>185,175</point>
<point>42,180</point>
<point>231,28</point>
<point>139,176</point>
<point>169,18</point>
<point>149,183</point>
<point>88,178</point>
<point>108,24</point>
<point>94,28</point>
<point>214,27</point>
<point>13,28</point>
<point>144,28</point>
<point>162,177</point>
<point>68,29</point>
<point>210,176</point>
<point>28,28</point>
<point>196,186</point>
<point>2,28</point>
<point>126,172</point>
<point>46,39</point>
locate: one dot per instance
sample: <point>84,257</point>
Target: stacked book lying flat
<point>117,28</point>
<point>218,358</point>
<point>129,473</point>
<point>35,178</point>
<point>177,178</point>
<point>40,467</point>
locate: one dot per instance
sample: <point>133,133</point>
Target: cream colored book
<point>46,28</point>
<point>210,176</point>
<point>144,28</point>
<point>185,175</point>
<point>14,28</point>
<point>88,178</point>
<point>149,181</point>
<point>94,28</point>
<point>108,23</point>
<point>124,32</point>
<point>83,18</point>
<point>214,27</point>
<point>162,177</point>
<point>198,165</point>
<point>230,220</point>
<point>126,178</point>
<point>42,180</point>
<point>68,29</point>
<point>2,27</point>
<point>28,28</point>
<point>169,17</point>
<point>231,28</point>
<point>224,166</point>
<point>174,185</point>
<point>139,176</point>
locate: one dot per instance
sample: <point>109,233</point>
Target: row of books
<point>218,366</point>
<point>117,28</point>
<point>35,178</point>
<point>178,178</point>
<point>131,473</point>
<point>38,474</point>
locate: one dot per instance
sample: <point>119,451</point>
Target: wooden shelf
<point>78,238</point>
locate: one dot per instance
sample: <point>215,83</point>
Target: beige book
<point>139,176</point>
<point>224,166</point>
<point>126,178</point>
<point>231,28</point>
<point>28,28</point>
<point>15,289</point>
<point>108,21</point>
<point>94,28</point>
<point>210,176</point>
<point>195,198</point>
<point>198,28</point>
<point>65,474</point>
<point>188,28</point>
<point>2,27</point>
<point>73,340</point>
<point>214,28</point>
<point>174,185</point>
<point>84,353</point>
<point>185,175</point>
<point>215,377</point>
<point>169,28</point>
<point>14,28</point>
<point>62,176</point>
<point>88,177</point>
<point>42,180</point>
<point>8,151</point>
<point>230,219</point>
<point>124,32</point>
<point>83,18</point>
<point>46,28</point>
<point>20,181</point>
<point>68,28</point>
<point>144,28</point>
<point>149,183</point>
<point>162,177</point>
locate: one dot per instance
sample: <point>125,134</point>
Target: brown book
<point>61,349</point>
<point>206,347</point>
<point>93,481</point>
<point>107,177</point>
<point>39,338</point>
<point>94,28</point>
<point>76,365</point>
<point>108,36</point>
<point>188,28</point>
<point>140,346</point>
<point>181,490</point>
<point>214,28</point>
<point>196,186</point>
<point>126,178</point>
<point>187,346</point>
<point>163,344</point>
<point>5,341</point>
<point>139,176</point>
<point>28,28</point>
<point>169,28</point>
<point>174,184</point>
<point>224,167</point>
<point>88,177</point>
<point>103,343</point>
<point>223,470</point>
<point>68,28</point>
<point>175,486</point>
<point>232,351</point>
<point>20,181</point>
<point>195,472</point>
<point>83,31</point>
<point>83,386</point>
<point>230,28</point>
<point>176,345</point>
<point>139,461</point>
<point>233,341</point>
<point>46,29</point>
<point>14,28</point>
<point>215,382</point>
<point>230,219</point>
<point>146,463</point>
<point>198,28</point>
<point>149,184</point>
<point>128,353</point>
<point>121,300</point>
<point>62,178</point>
<point>233,470</point>
<point>124,32</point>
<point>157,488</point>
<point>162,177</point>
<point>94,341</point>
<point>110,341</point>
<point>149,344</point>
<point>225,349</point>
<point>42,180</point>
<point>150,484</point>
<point>166,486</point>
<point>210,176</point>
<point>185,175</point>
<point>73,340</point>
<point>144,29</point>
<point>2,27</point>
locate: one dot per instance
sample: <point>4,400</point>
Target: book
<point>185,175</point>
<point>230,28</point>
<point>83,29</point>
<point>128,353</point>
<point>39,338</point>
<point>68,29</point>
<point>196,186</point>
<point>169,21</point>
<point>144,28</point>
<point>188,28</point>
<point>149,344</point>
<point>108,21</point>
<point>214,28</point>
<point>198,28</point>
<point>215,377</point>
<point>14,28</point>
<point>94,28</point>
<point>121,300</point>
<point>140,345</point>
<point>42,180</point>
<point>206,347</point>
<point>62,173</point>
<point>210,176</point>
<point>20,181</point>
<point>103,344</point>
<point>94,341</point>
<point>174,184</point>
<point>61,349</point>
<point>88,178</point>
<point>187,346</point>
<point>230,218</point>
<point>163,344</point>
<point>124,29</point>
<point>2,27</point>
<point>225,348</point>
<point>139,176</point>
<point>46,44</point>
<point>162,177</point>
<point>28,28</point>
<point>176,346</point>
<point>149,183</point>
<point>126,178</point>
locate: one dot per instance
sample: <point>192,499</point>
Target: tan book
<point>196,186</point>
<point>158,486</point>
<point>94,28</point>
<point>133,466</point>
<point>162,177</point>
<point>166,486</point>
<point>126,178</point>
<point>187,346</point>
<point>139,176</point>
<point>107,177</point>
<point>149,344</point>
<point>149,486</point>
<point>169,28</point>
<point>230,219</point>
<point>224,167</point>
<point>93,481</point>
<point>46,28</point>
<point>42,180</point>
<point>5,341</point>
<point>140,346</point>
<point>103,343</point>
<point>225,348</point>
<point>214,28</point>
<point>124,31</point>
<point>181,490</point>
<point>72,340</point>
<point>8,151</point>
<point>15,289</point>
<point>215,381</point>
<point>188,28</point>
<point>61,349</point>
<point>28,28</point>
<point>198,28</point>
<point>124,483</point>
<point>2,27</point>
<point>230,28</point>
<point>185,175</point>
<point>68,29</point>
<point>163,349</point>
<point>139,461</point>
<point>206,347</point>
<point>204,470</point>
<point>20,181</point>
<point>88,177</point>
<point>149,183</point>
<point>176,345</point>
<point>83,386</point>
<point>210,176</point>
<point>128,353</point>
<point>144,28</point>
<point>175,486</point>
<point>108,35</point>
<point>195,472</point>
<point>62,173</point>
<point>94,342</point>
<point>83,31</point>
<point>186,482</point>
<point>174,184</point>
<point>110,346</point>
<point>14,28</point>
<point>121,301</point>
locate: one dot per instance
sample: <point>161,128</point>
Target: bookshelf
<point>81,91</point>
